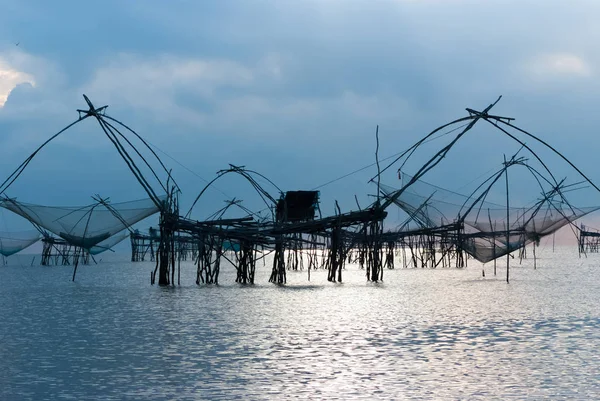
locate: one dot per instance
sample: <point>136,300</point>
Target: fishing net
<point>493,241</point>
<point>84,226</point>
<point>108,243</point>
<point>534,222</point>
<point>13,242</point>
<point>491,231</point>
<point>431,206</point>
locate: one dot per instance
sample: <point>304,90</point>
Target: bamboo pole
<point>507,223</point>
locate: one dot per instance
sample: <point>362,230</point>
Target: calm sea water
<point>421,334</point>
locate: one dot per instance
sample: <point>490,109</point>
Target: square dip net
<point>487,235</point>
<point>13,242</point>
<point>84,226</point>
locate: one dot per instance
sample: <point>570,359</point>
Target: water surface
<point>421,334</point>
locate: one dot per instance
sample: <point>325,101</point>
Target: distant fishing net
<point>431,206</point>
<point>84,226</point>
<point>13,242</point>
<point>487,235</point>
<point>489,241</point>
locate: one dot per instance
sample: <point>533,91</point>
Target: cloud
<point>10,77</point>
<point>31,84</point>
<point>307,84</point>
<point>556,65</point>
<point>224,94</point>
<point>153,84</point>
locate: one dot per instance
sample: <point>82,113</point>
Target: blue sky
<point>293,89</point>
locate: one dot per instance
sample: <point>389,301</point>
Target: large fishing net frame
<point>78,225</point>
<point>491,230</point>
<point>123,138</point>
<point>251,177</point>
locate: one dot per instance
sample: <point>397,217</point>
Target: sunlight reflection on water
<point>423,334</point>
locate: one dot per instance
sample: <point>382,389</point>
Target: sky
<point>292,89</point>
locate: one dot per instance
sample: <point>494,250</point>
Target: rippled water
<point>421,334</point>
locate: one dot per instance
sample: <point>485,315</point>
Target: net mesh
<point>84,226</point>
<point>13,242</point>
<point>108,243</point>
<point>489,232</point>
<point>431,206</point>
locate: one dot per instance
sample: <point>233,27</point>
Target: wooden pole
<point>377,162</point>
<point>507,223</point>
<point>493,230</point>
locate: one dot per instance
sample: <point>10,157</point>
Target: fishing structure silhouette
<point>443,228</point>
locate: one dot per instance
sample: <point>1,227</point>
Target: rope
<point>385,159</point>
<point>188,169</point>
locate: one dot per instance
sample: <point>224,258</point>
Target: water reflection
<point>425,334</point>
